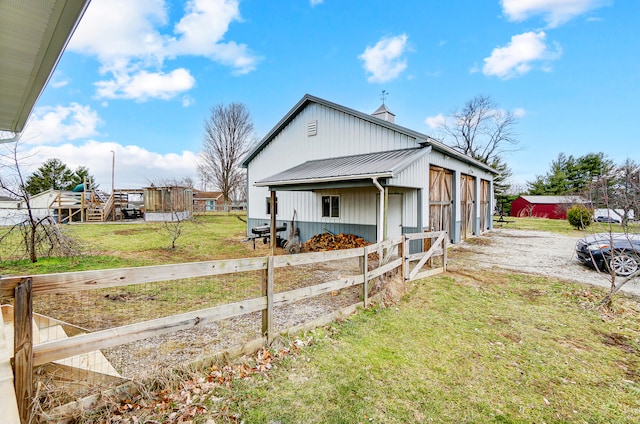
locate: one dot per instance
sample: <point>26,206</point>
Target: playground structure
<point>84,204</point>
<point>87,204</point>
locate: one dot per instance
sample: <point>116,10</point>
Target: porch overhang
<point>312,184</point>
<point>344,172</point>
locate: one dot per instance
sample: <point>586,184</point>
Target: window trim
<point>332,207</point>
<point>268,206</point>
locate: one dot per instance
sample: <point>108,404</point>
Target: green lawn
<point>504,348</point>
<point>562,226</point>
<point>495,347</point>
<point>116,245</point>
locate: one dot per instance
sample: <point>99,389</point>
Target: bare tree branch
<point>228,135</point>
<point>481,130</point>
<point>485,132</point>
<point>40,234</point>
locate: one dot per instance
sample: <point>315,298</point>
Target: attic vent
<point>312,128</point>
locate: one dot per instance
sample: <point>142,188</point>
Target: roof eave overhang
<point>308,98</point>
<point>313,183</point>
<point>63,21</point>
<point>443,148</point>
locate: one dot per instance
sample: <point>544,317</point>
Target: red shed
<point>553,207</point>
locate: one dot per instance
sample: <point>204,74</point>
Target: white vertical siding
<point>414,175</point>
<point>409,205</point>
<point>342,134</point>
<point>357,206</point>
<point>338,134</point>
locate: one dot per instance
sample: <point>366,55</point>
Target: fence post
<point>445,242</point>
<point>23,347</point>
<point>405,260</point>
<point>267,290</point>
<point>364,268</point>
<point>401,250</point>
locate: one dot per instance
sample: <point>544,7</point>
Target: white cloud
<point>121,29</point>
<point>187,101</point>
<point>385,60</point>
<point>59,84</point>
<point>316,2</point>
<point>439,121</point>
<point>135,167</point>
<point>144,85</point>
<point>554,12</point>
<point>201,30</point>
<point>133,47</point>
<point>53,124</point>
<point>519,112</point>
<point>436,122</point>
<point>519,56</point>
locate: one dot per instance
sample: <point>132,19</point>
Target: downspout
<point>381,216</point>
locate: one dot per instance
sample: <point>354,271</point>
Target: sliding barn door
<point>440,195</point>
<point>484,205</point>
<point>466,205</point>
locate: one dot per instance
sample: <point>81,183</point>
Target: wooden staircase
<point>100,207</point>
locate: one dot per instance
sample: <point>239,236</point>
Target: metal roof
<point>33,35</point>
<point>421,139</point>
<point>382,110</point>
<point>554,199</point>
<point>357,167</point>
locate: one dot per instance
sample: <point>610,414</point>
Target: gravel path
<point>535,252</point>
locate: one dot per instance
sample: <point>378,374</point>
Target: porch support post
<point>383,209</point>
<point>273,222</point>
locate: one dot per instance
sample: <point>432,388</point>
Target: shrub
<point>579,216</point>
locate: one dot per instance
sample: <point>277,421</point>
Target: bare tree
<point>485,132</point>
<point>39,233</point>
<point>228,135</point>
<point>174,227</point>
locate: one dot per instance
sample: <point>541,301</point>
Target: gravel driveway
<point>534,252</point>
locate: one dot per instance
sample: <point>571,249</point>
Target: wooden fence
<point>22,289</point>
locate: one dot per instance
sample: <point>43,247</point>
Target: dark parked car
<point>611,251</point>
<point>607,219</point>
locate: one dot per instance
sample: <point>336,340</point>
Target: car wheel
<point>623,264</point>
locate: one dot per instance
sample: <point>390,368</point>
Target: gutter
<point>15,137</point>
<point>322,179</point>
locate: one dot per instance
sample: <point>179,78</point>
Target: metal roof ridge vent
<point>385,114</point>
<point>312,128</point>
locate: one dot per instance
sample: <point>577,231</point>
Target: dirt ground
<point>534,252</point>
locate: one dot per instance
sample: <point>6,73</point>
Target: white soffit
<point>33,35</point>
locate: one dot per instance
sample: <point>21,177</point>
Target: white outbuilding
<point>346,171</point>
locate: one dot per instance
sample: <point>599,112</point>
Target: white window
<point>330,206</point>
<point>269,206</point>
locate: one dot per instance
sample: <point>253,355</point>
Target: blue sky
<point>140,77</point>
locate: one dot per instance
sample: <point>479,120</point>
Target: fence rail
<point>27,354</point>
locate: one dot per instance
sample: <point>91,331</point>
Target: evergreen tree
<point>569,175</point>
<point>54,174</point>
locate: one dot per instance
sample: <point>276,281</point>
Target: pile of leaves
<point>200,396</point>
<point>328,241</point>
